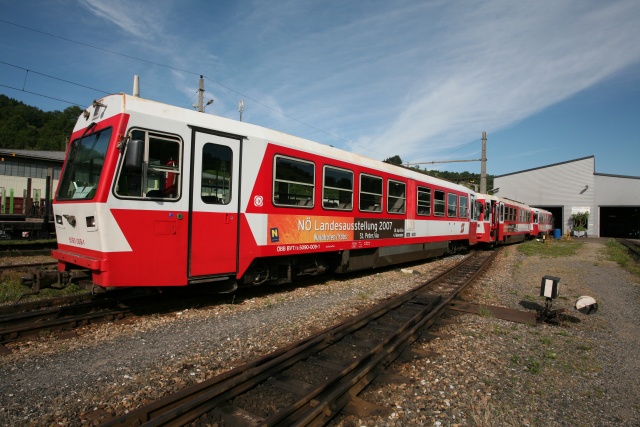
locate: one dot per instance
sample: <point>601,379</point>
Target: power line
<point>96,47</point>
<point>39,94</point>
<point>184,71</point>
<point>54,78</point>
<point>447,150</point>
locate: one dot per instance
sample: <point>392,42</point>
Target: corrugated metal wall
<point>570,185</point>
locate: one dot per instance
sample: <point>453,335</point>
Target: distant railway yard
<point>484,369</point>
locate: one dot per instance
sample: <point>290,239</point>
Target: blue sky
<point>549,81</point>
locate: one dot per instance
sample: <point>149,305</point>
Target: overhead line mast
<point>483,164</point>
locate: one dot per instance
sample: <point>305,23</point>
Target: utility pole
<point>201,95</point>
<point>483,165</point>
<point>241,108</point>
<point>200,105</point>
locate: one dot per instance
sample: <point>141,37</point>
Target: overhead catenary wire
<point>180,70</point>
<point>28,70</point>
<point>39,94</point>
<point>332,135</point>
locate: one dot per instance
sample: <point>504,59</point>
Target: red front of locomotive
<point>108,220</point>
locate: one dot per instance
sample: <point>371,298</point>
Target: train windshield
<point>84,166</point>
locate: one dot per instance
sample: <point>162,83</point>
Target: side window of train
<point>370,193</point>
<point>463,206</point>
<point>293,182</point>
<point>396,196</point>
<point>151,166</point>
<point>337,189</point>
<point>217,162</point>
<point>438,203</point>
<point>424,201</point>
<point>476,210</point>
<point>452,205</point>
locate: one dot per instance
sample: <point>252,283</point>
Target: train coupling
<point>42,279</point>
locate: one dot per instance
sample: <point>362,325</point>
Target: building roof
<point>570,161</point>
<point>547,166</point>
<point>52,156</point>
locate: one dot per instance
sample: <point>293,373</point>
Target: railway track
<point>27,266</point>
<point>632,246</point>
<point>310,382</point>
<point>19,321</point>
<point>62,314</point>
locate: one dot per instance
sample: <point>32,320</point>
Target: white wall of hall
<point>570,185</point>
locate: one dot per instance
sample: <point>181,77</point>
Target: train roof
<point>112,105</point>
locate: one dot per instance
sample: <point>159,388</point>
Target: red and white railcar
<point>513,222</point>
<point>502,221</point>
<point>541,222</point>
<point>487,226</point>
<point>152,194</point>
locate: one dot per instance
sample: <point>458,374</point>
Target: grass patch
<point>556,248</point>
<point>533,366</point>
<point>619,254</point>
<point>11,290</point>
<point>484,312</point>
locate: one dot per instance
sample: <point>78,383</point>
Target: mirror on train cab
<point>133,156</point>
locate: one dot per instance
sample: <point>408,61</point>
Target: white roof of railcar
<point>131,104</point>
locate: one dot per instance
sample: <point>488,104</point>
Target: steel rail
<point>328,398</point>
<point>631,245</point>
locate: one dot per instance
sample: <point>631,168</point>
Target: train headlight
<point>59,219</point>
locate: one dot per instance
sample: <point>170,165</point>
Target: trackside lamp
<point>549,288</point>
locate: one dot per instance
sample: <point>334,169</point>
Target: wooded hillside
<point>23,127</point>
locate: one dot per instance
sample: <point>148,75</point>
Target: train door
<point>495,220</point>
<point>500,222</point>
<point>214,205</point>
<point>473,220</point>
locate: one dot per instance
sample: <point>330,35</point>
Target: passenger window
<point>396,196</point>
<point>293,183</point>
<point>463,206</point>
<point>154,171</point>
<point>217,163</point>
<point>370,193</point>
<point>424,201</point>
<point>337,189</point>
<point>452,205</point>
<point>438,203</point>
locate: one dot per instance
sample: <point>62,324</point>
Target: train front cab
<point>131,210</point>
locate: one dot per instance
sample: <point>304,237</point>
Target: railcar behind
<point>541,223</point>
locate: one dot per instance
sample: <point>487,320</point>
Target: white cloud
<point>139,19</point>
<point>508,61</point>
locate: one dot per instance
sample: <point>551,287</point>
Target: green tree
<point>29,128</point>
<point>395,160</point>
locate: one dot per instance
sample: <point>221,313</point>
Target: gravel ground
<point>483,371</point>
